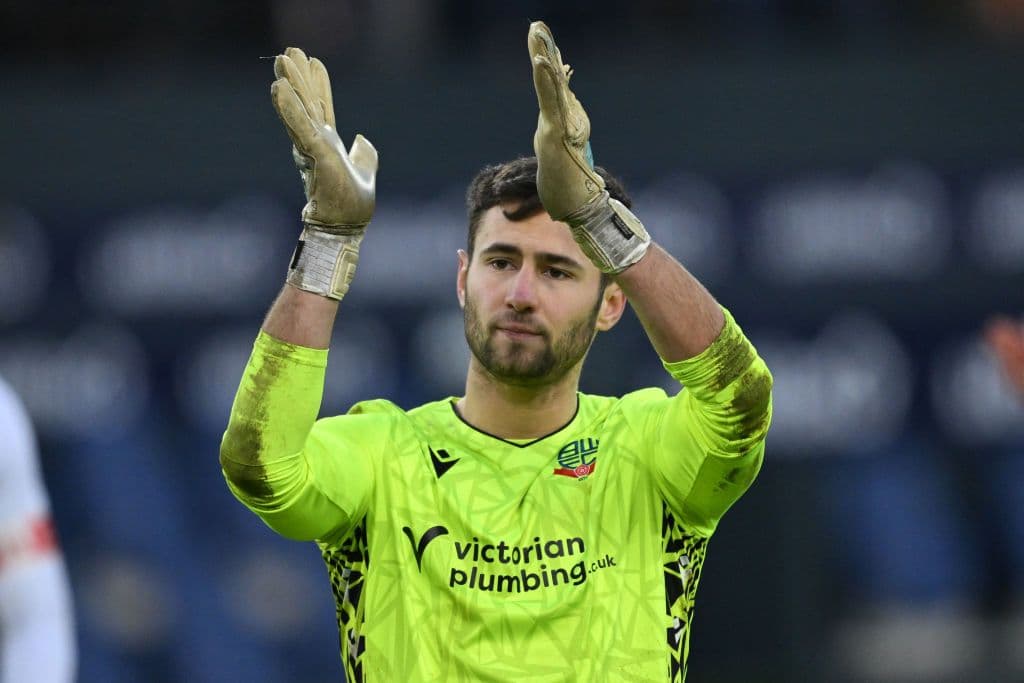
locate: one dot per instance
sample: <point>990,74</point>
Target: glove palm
<point>340,184</point>
<point>569,188</point>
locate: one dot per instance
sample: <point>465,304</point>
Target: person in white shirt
<point>37,636</point>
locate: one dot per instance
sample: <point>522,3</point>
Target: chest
<point>516,492</point>
<point>517,506</point>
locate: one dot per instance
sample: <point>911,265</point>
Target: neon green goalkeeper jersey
<point>455,555</point>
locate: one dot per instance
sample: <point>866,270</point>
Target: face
<point>532,300</point>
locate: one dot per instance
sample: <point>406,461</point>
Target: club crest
<point>577,458</point>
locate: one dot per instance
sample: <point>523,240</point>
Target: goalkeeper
<point>523,531</point>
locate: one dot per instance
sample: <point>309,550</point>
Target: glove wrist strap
<point>324,263</point>
<point>608,233</point>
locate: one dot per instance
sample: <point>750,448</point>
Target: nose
<point>522,291</point>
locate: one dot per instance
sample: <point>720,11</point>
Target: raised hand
<point>340,184</point>
<point>569,188</point>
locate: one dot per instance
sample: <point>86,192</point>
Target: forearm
<point>277,403</point>
<point>680,316</point>
<point>269,452</point>
<point>279,397</point>
<point>301,318</point>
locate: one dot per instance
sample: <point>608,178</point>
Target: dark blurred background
<point>847,176</point>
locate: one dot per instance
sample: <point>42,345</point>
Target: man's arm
<point>724,413</point>
<point>340,190</point>
<point>263,450</point>
<point>301,318</point>
<point>680,316</point>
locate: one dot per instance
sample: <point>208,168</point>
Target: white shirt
<point>37,639</point>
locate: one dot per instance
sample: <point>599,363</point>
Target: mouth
<point>519,332</point>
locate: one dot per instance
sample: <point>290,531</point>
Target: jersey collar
<point>452,401</point>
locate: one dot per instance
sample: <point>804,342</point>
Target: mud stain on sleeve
<point>728,357</point>
<point>243,447</point>
<point>752,402</point>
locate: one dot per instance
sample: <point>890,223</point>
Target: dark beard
<point>520,365</point>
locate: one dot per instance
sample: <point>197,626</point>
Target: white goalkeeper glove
<point>607,232</point>
<point>340,185</point>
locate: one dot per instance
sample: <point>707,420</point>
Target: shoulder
<point>368,415</point>
<point>643,397</point>
<point>632,410</point>
<point>380,407</point>
<point>640,399</point>
<point>15,425</point>
<point>435,415</point>
<point>382,414</point>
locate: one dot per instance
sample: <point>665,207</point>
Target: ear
<point>460,278</point>
<point>613,305</point>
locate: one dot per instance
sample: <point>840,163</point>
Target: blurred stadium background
<point>846,175</point>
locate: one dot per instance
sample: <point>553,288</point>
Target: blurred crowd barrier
<point>883,536</point>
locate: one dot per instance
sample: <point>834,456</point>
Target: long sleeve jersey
<point>455,555</point>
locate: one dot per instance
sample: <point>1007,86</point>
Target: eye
<point>558,274</point>
<point>500,263</point>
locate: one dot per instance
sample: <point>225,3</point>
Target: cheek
<point>579,317</point>
<point>473,304</point>
<point>484,294</point>
<point>574,308</point>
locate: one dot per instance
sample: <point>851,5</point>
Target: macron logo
<point>419,546</point>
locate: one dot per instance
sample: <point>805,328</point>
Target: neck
<point>517,412</point>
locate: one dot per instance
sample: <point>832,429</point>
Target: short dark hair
<point>517,180</point>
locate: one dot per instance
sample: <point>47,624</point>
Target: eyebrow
<point>544,256</point>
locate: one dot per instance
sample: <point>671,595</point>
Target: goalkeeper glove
<point>340,185</point>
<point>607,232</point>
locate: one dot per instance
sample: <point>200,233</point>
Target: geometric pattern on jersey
<point>684,559</point>
<point>489,527</point>
<point>346,567</point>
